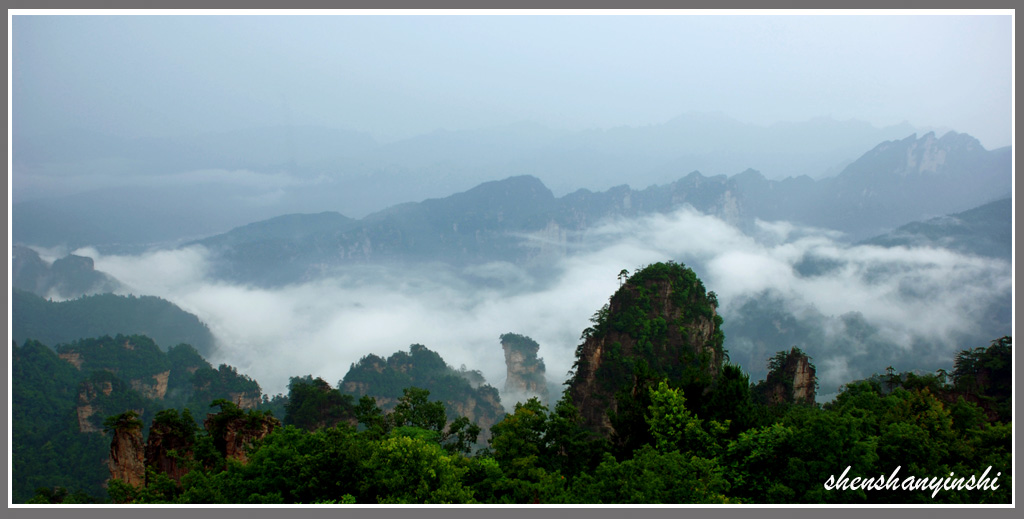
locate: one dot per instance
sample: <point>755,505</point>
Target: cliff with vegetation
<point>127,460</point>
<point>660,324</point>
<point>61,397</point>
<point>791,379</point>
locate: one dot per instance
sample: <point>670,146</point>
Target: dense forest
<point>60,398</point>
<point>653,412</point>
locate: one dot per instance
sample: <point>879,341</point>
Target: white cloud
<point>908,296</point>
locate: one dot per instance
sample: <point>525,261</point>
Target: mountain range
<point>520,220</point>
<point>986,230</point>
<point>74,188</point>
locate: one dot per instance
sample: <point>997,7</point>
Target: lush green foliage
<point>48,452</point>
<point>660,324</point>
<point>59,410</point>
<point>313,404</point>
<point>987,373</point>
<point>423,368</point>
<point>537,455</point>
<point>721,446</point>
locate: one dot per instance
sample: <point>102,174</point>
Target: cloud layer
<point>854,309</point>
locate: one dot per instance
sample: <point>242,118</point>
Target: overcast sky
<point>396,76</point>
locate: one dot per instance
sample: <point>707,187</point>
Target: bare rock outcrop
<point>241,434</point>
<point>485,409</point>
<point>154,387</point>
<point>246,400</point>
<point>88,392</point>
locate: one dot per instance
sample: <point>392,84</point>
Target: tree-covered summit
<point>387,379</point>
<point>660,324</point>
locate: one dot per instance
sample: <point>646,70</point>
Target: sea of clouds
<point>872,307</point>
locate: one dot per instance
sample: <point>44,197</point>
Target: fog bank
<point>854,309</point>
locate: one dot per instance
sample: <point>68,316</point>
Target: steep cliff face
<point>154,387</point>
<point>88,392</point>
<point>74,358</point>
<point>791,379</point>
<point>659,324</point>
<point>804,382</point>
<point>127,460</point>
<point>524,371</point>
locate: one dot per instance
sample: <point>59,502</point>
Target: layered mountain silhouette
<point>519,220</point>
<point>983,231</point>
<point>76,188</point>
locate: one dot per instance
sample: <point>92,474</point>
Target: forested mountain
<point>386,379</point>
<point>59,322</point>
<point>61,398</point>
<point>519,220</point>
<point>660,324</point>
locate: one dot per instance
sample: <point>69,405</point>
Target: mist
<point>864,309</point>
<point>400,76</point>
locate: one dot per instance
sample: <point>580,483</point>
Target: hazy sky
<point>396,76</point>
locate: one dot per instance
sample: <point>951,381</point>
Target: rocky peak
<point>659,324</point>
<point>127,455</point>
<point>524,370</point>
<point>924,156</point>
<point>791,379</point>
